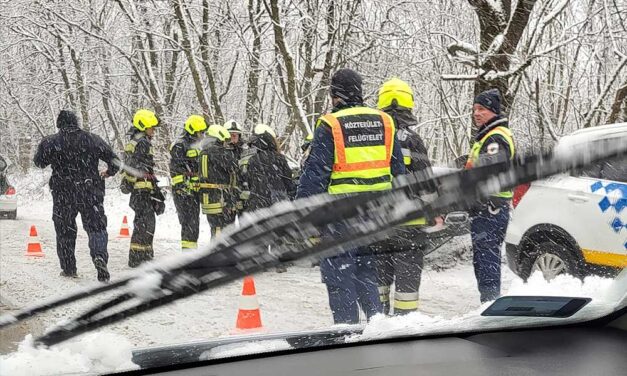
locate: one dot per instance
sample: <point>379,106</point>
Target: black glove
<point>158,200</point>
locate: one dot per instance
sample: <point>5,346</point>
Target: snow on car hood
<point>94,353</point>
<point>607,296</point>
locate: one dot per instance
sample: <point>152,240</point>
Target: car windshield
<point>185,180</point>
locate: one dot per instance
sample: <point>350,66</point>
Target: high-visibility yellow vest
<point>364,140</point>
<point>473,157</point>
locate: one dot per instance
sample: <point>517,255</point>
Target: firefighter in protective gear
<point>354,150</point>
<point>139,180</point>
<point>400,258</point>
<point>184,175</point>
<point>493,144</point>
<point>217,171</point>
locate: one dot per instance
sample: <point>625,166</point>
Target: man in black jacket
<point>77,187</point>
<point>266,176</point>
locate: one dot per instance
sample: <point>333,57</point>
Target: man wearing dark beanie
<point>354,150</point>
<point>493,144</point>
<point>77,187</point>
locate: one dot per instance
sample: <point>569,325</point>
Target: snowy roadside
<point>291,301</point>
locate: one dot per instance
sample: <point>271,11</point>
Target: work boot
<point>68,274</point>
<point>101,268</point>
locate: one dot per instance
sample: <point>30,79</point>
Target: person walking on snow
<point>78,187</point>
<point>493,144</point>
<point>348,158</point>
<point>184,175</point>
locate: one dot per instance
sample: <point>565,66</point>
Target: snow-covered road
<point>295,300</point>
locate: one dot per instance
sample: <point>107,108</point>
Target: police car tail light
<point>10,191</point>
<point>519,192</point>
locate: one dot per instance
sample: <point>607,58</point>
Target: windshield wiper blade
<point>366,216</point>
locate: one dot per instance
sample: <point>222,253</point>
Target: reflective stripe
<point>406,296</point>
<point>406,156</point>
<point>361,181</point>
<point>140,247</point>
<point>143,185</point>
<point>218,230</point>
<point>605,258</point>
<point>384,289</point>
<point>186,244</point>
<point>213,186</point>
<point>248,302</point>
<point>192,153</point>
<point>244,195</point>
<point>178,179</point>
<point>130,146</point>
<point>406,305</point>
<point>384,298</point>
<point>128,177</point>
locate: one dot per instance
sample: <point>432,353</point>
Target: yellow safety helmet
<point>195,124</point>
<point>395,92</point>
<point>219,132</point>
<point>263,128</point>
<point>144,119</point>
<point>232,127</point>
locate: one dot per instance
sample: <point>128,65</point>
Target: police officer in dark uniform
<point>494,143</point>
<point>140,181</point>
<point>400,258</point>
<point>217,167</point>
<point>184,175</point>
<point>77,187</point>
<point>354,150</point>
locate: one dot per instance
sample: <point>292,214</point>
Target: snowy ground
<point>295,300</point>
<point>291,301</point>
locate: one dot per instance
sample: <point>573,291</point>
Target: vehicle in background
<point>574,224</point>
<point>8,196</point>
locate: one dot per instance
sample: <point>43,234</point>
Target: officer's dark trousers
<point>488,227</point>
<point>400,260</point>
<point>66,205</point>
<point>188,211</point>
<point>143,228</point>
<point>351,280</point>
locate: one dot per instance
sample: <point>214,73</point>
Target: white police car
<point>574,224</point>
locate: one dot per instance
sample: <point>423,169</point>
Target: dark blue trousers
<point>487,230</point>
<point>66,206</point>
<point>351,280</point>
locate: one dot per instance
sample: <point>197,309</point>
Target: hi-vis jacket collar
<point>490,125</point>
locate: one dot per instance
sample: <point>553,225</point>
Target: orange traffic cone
<point>34,246</point>
<point>248,316</point>
<point>124,231</point>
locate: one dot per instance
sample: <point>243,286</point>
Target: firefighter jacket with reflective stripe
<point>363,139</point>
<point>415,156</point>
<point>216,174</point>
<point>493,144</point>
<point>184,163</point>
<point>139,157</point>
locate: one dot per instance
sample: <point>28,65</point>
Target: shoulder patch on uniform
<point>493,148</point>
